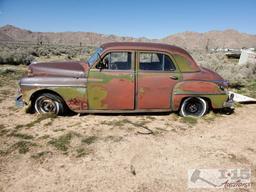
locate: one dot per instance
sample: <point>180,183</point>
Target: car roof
<point>146,46</point>
<point>143,46</point>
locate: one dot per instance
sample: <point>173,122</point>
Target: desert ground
<point>141,152</point>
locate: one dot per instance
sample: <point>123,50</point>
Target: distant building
<point>247,56</point>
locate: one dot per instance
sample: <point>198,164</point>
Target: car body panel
<point>155,89</point>
<point>87,89</point>
<point>72,90</point>
<point>205,89</point>
<point>110,90</point>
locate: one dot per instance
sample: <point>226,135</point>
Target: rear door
<point>157,75</point>
<point>112,86</point>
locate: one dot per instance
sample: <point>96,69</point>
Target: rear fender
<point>205,89</point>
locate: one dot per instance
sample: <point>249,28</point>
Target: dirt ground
<point>147,152</point>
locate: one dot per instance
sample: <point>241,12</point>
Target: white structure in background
<point>241,98</point>
<point>247,56</point>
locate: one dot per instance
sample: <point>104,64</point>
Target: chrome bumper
<point>19,102</point>
<point>230,102</point>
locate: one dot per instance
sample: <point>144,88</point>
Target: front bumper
<point>19,102</point>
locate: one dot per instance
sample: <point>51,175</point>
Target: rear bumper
<point>230,102</point>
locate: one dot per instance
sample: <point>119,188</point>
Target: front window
<point>117,61</point>
<point>156,62</point>
<point>94,56</point>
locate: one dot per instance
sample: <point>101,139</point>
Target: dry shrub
<point>237,75</point>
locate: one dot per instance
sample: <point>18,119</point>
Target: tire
<point>49,103</point>
<point>194,106</point>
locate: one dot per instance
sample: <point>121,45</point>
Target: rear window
<point>156,62</point>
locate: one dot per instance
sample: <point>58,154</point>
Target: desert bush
<point>26,53</point>
<point>237,75</point>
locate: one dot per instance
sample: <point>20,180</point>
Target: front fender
<point>71,90</point>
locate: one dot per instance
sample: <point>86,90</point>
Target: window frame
<point>116,51</point>
<point>157,71</point>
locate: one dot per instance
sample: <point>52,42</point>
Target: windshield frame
<point>95,56</point>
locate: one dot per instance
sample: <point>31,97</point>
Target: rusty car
<point>125,77</point>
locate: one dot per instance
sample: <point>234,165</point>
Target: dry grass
<point>237,75</point>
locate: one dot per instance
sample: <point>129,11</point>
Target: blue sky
<point>137,18</point>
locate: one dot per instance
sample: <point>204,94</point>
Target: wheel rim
<point>46,105</point>
<point>194,107</point>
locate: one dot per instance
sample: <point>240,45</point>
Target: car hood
<point>74,69</point>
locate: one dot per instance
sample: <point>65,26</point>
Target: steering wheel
<point>113,66</point>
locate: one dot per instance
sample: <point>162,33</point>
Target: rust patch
<point>192,87</point>
<point>77,104</point>
<point>154,90</point>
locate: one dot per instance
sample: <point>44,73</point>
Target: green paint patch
<point>107,77</point>
<point>96,95</point>
<point>183,64</point>
<point>217,101</point>
<point>71,92</point>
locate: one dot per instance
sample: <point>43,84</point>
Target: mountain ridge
<point>228,38</point>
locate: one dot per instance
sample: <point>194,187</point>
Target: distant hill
<point>212,39</point>
<point>189,40</point>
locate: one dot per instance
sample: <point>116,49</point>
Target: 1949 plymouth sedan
<point>125,77</point>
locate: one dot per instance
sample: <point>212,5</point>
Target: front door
<point>111,85</point>
<point>157,76</point>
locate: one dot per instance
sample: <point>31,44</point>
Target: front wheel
<point>194,106</point>
<point>49,103</point>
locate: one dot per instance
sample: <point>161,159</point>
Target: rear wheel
<point>194,106</point>
<point>49,103</point>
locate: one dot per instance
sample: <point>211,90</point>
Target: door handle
<point>174,77</point>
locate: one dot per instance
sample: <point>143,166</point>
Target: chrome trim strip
<point>199,93</point>
<point>51,85</point>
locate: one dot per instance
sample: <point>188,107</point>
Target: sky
<point>136,18</point>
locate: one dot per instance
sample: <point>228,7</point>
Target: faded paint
<point>185,64</point>
<point>110,90</point>
<point>84,89</point>
<point>74,97</point>
<point>204,89</point>
<point>217,101</point>
<point>155,89</point>
<point>197,87</point>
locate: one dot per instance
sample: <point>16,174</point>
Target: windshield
<point>94,56</point>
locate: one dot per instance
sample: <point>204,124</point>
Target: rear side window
<point>156,62</point>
